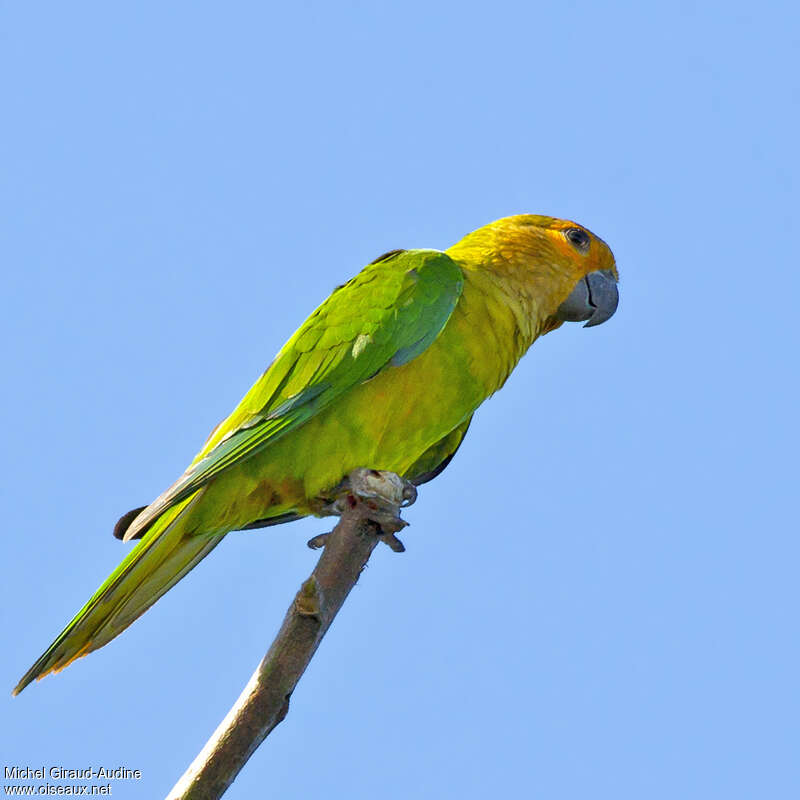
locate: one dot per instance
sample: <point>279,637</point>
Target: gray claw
<point>409,495</point>
<point>315,542</point>
<point>393,542</point>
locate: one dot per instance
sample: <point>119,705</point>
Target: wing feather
<point>384,317</point>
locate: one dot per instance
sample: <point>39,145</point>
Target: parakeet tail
<point>163,556</point>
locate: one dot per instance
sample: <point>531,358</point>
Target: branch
<point>369,513</point>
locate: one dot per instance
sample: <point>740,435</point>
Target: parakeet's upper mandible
<point>385,374</point>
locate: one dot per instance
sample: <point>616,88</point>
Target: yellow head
<point>561,270</point>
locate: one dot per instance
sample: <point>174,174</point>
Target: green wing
<point>385,316</point>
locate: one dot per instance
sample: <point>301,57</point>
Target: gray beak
<point>594,298</point>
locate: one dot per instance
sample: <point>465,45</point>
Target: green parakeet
<point>385,374</point>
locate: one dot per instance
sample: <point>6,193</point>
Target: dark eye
<point>578,238</point>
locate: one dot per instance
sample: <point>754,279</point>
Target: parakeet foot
<point>382,493</point>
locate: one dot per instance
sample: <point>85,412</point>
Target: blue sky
<point>599,595</point>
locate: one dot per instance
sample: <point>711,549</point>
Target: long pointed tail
<point>163,556</point>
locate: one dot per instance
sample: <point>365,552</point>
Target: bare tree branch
<point>369,514</point>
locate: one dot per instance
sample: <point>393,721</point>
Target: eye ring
<point>578,238</point>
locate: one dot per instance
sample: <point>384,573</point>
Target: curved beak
<point>594,298</point>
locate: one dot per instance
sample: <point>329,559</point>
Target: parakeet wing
<point>385,316</point>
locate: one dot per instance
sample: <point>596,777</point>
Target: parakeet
<point>385,374</point>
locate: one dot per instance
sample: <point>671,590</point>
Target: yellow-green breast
<point>387,422</point>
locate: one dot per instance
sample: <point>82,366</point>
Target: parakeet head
<point>565,268</point>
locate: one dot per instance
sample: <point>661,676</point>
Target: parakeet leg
<point>384,493</point>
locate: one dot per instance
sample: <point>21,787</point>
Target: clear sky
<point>599,596</point>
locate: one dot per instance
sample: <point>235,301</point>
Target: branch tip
<point>373,516</point>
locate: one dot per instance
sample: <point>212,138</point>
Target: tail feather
<point>163,556</point>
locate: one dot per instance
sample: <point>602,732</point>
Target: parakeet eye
<point>578,238</point>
